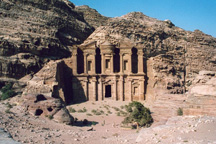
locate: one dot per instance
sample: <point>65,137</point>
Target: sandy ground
<point>104,128</point>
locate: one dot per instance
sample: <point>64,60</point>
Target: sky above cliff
<point>187,14</point>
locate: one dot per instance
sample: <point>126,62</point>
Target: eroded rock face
<point>44,29</point>
<point>19,65</point>
<point>53,108</point>
<point>53,80</point>
<point>202,95</point>
<point>91,16</point>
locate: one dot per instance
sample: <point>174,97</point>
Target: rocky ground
<point>102,128</point>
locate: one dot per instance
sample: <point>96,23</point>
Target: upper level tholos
<point>107,59</point>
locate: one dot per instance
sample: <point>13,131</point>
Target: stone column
<point>102,63</point>
<point>140,61</point>
<point>94,81</point>
<point>130,89</point>
<point>111,63</point>
<point>121,90</point>
<point>130,63</point>
<point>115,90</point>
<point>86,89</point>
<point>94,64</point>
<point>100,94</point>
<point>121,63</point>
<point>85,63</point>
<point>142,95</point>
<point>74,61</point>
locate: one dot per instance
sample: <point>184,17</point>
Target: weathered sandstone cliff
<point>40,30</point>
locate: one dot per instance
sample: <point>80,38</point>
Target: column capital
<point>74,54</point>
<point>140,52</point>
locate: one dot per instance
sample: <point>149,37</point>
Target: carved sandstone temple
<point>107,71</point>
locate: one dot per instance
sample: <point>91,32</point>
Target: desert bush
<point>136,112</point>
<point>7,111</point>
<point>179,112</point>
<point>88,114</point>
<point>116,109</point>
<point>50,117</point>
<point>82,110</point>
<point>7,92</point>
<point>122,107</point>
<point>97,112</point>
<point>72,110</point>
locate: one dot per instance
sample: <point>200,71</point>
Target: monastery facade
<point>107,71</point>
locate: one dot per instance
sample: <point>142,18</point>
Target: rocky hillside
<point>92,16</point>
<point>174,56</point>
<point>33,31</point>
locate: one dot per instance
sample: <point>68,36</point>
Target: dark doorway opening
<point>108,91</point>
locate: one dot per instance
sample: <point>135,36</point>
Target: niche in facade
<point>98,61</point>
<point>134,59</point>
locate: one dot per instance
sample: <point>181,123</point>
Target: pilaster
<point>142,93</point>
<point>85,63</point>
<point>140,61</point>
<point>74,60</point>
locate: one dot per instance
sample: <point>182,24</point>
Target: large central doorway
<point>108,91</point>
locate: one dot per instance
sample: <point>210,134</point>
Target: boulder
<point>53,108</point>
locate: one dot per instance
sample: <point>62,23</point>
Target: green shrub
<point>50,117</point>
<point>88,114</point>
<point>97,112</point>
<point>72,110</point>
<point>116,109</point>
<point>7,111</point>
<point>6,88</point>
<point>7,92</point>
<point>179,112</point>
<point>136,112</point>
<point>82,110</point>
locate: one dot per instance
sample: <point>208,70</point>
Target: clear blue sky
<point>187,14</point>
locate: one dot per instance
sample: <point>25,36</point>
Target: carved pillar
<point>102,63</point>
<point>86,89</point>
<point>121,63</point>
<point>140,61</point>
<point>142,95</point>
<point>130,89</point>
<point>121,85</point>
<point>115,90</point>
<point>111,63</point>
<point>74,61</point>
<point>100,94</point>
<point>85,63</point>
<point>130,63</point>
<point>94,64</point>
<point>94,82</point>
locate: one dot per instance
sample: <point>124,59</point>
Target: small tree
<point>139,114</point>
<point>7,92</point>
<point>179,112</point>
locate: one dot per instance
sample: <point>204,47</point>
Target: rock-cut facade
<point>106,71</point>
